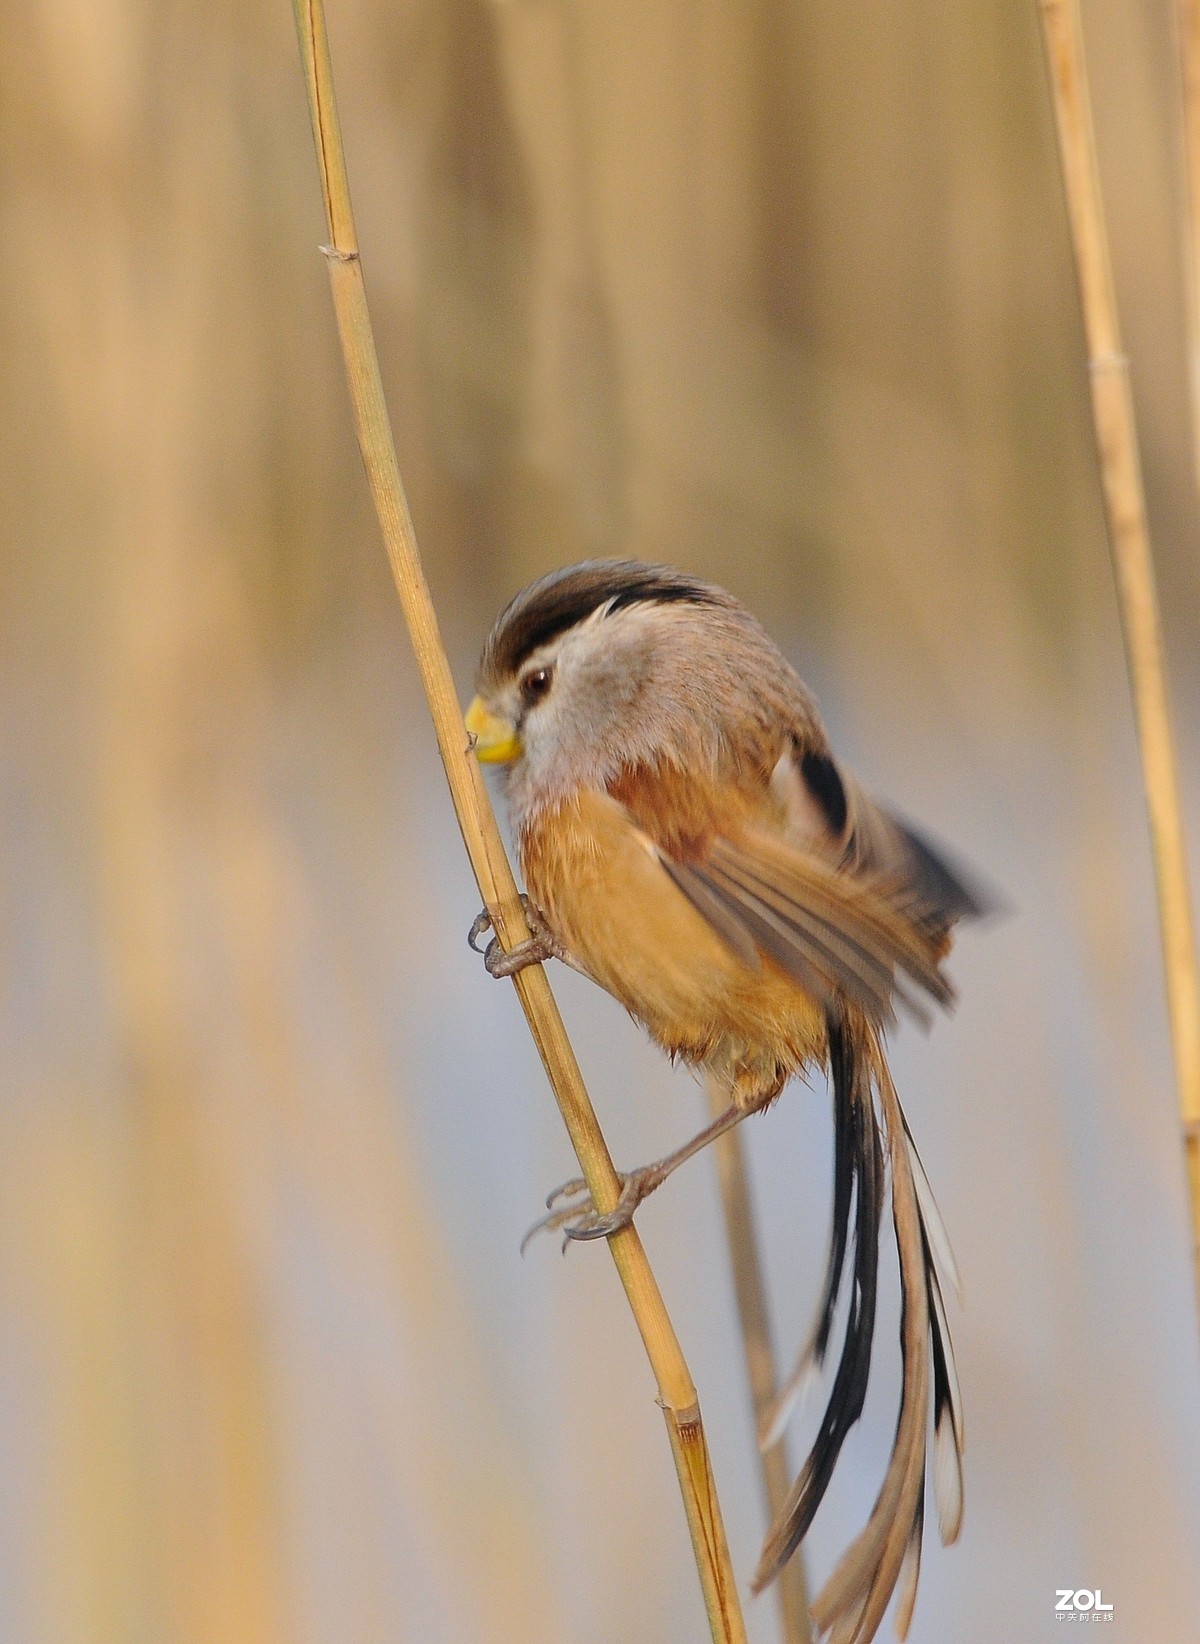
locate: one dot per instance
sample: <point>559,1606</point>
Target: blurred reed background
<point>780,293</point>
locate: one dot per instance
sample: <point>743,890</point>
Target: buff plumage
<point>689,842</point>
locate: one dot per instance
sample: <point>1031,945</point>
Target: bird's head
<point>600,666</point>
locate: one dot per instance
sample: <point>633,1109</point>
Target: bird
<point>689,841</point>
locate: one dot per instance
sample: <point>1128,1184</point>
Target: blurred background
<point>779,292</point>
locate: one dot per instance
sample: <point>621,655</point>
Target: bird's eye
<point>535,685</point>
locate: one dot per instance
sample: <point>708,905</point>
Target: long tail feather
<point>940,1249</point>
<point>910,1572</point>
<point>886,1554</point>
<point>811,1359</point>
<point>853,1600</point>
<point>859,1175</point>
<point>947,1422</point>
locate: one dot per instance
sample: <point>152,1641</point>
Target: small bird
<point>689,842</point>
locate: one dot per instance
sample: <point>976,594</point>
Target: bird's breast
<point>598,879</point>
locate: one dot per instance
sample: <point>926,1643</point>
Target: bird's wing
<point>839,934</point>
<point>828,810</point>
<point>807,871</point>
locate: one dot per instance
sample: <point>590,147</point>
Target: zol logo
<point>1081,1604</point>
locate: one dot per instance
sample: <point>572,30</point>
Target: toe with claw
<point>539,947</point>
<point>570,1208</point>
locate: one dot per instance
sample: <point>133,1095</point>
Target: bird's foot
<point>571,1208</point>
<point>539,946</point>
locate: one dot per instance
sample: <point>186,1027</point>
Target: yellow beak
<point>496,741</point>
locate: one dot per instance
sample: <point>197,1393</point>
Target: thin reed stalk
<point>751,1293</point>
<point>1129,540</point>
<point>676,1390</point>
<point>1189,62</point>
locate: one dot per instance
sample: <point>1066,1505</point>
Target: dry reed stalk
<point>751,1293</point>
<point>1189,59</point>
<point>1129,540</point>
<point>676,1390</point>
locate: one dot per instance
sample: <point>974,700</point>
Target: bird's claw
<point>539,946</point>
<point>571,1208</point>
<point>480,923</point>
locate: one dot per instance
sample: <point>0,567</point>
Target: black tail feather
<point>886,1557</point>
<point>858,1175</point>
<point>846,1170</point>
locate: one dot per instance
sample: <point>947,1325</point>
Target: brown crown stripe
<point>558,601</point>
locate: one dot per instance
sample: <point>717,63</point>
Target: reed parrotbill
<point>689,842</point>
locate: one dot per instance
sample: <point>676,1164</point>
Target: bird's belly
<point>598,880</point>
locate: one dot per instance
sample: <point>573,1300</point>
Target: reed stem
<point>1133,565</point>
<point>1189,58</point>
<point>751,1293</point>
<point>676,1391</point>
